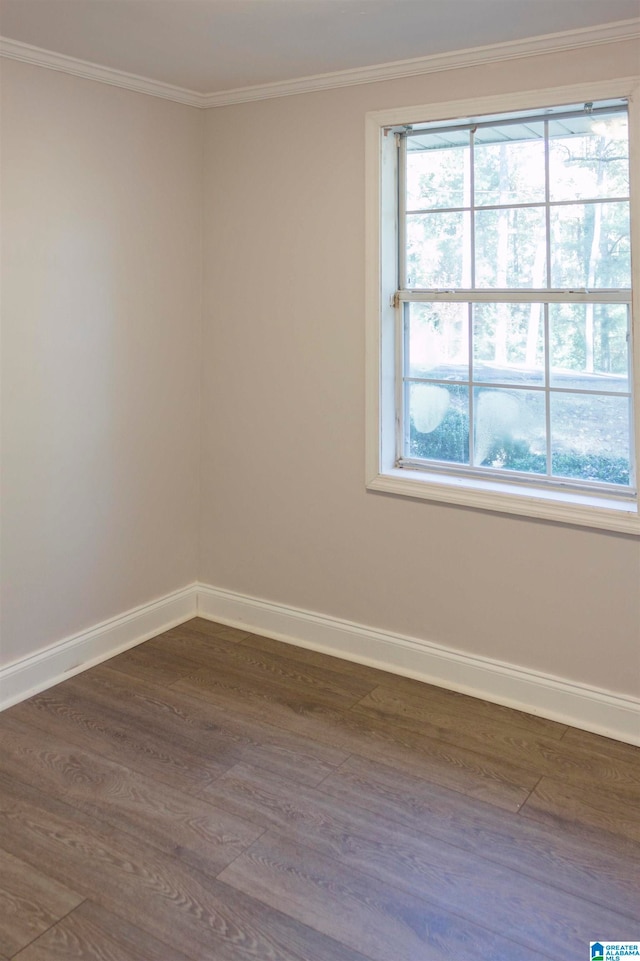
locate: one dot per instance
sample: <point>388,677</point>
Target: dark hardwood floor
<point>213,795</point>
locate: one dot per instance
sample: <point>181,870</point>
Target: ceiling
<point>209,46</point>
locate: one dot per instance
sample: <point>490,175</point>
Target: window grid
<point>524,206</point>
<point>472,385</point>
<point>407,294</point>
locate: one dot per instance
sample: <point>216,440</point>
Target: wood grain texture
<point>590,864</point>
<point>359,911</point>
<point>178,906</point>
<point>470,772</point>
<point>440,698</point>
<point>96,727</point>
<point>414,697</point>
<point>177,652</point>
<point>90,933</point>
<point>234,681</point>
<point>155,667</point>
<point>407,859</point>
<point>200,625</point>
<point>30,902</point>
<point>495,735</point>
<point>220,655</point>
<point>601,807</point>
<point>217,796</point>
<point>259,743</point>
<point>596,744</point>
<point>302,655</point>
<point>161,816</point>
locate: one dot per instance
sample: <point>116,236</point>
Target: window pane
<point>508,343</point>
<point>438,250</point>
<point>511,248</point>
<point>439,422</point>
<point>510,430</point>
<point>437,176</point>
<point>438,341</point>
<point>509,171</point>
<point>590,164</point>
<point>590,246</point>
<point>590,437</point>
<point>589,347</point>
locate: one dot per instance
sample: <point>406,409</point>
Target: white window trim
<point>571,507</point>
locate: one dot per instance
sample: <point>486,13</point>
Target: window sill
<point>583,510</point>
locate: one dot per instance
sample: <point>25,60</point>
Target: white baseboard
<point>75,654</point>
<point>577,705</point>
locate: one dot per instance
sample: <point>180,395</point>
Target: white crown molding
<point>15,50</point>
<point>559,699</point>
<point>56,663</point>
<point>457,59</point>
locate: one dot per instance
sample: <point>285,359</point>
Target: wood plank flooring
<point>212,795</point>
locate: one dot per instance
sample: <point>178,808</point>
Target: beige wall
<point>102,198</point>
<point>101,191</point>
<point>285,514</point>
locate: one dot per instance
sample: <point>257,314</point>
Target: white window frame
<point>585,509</point>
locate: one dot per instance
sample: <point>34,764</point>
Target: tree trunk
<point>535,311</point>
<point>594,251</point>
<point>502,254</point>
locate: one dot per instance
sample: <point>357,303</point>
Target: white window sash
<point>600,509</point>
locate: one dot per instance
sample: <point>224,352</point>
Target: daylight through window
<point>513,302</point>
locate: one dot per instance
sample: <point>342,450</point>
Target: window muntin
<point>513,301</point>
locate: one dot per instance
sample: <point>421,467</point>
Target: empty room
<point>320,541</point>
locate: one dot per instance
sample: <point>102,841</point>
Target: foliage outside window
<point>512,305</point>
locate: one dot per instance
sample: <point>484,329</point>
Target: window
<point>505,372</point>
